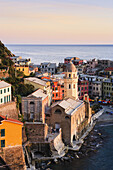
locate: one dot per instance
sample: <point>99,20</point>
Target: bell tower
<point>71,82</point>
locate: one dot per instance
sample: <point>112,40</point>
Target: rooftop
<point>38,93</point>
<point>3,84</point>
<point>68,58</point>
<point>36,80</point>
<point>70,67</point>
<point>69,105</point>
<point>109,69</point>
<point>4,118</point>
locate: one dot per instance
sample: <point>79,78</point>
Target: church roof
<point>69,105</point>
<point>70,67</point>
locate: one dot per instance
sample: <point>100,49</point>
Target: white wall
<point>5,95</point>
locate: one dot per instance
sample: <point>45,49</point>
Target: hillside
<point>5,55</point>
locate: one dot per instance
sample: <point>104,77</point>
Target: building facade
<point>48,67</point>
<point>5,92</point>
<point>40,84</point>
<point>24,69</point>
<point>57,91</point>
<point>34,106</point>
<point>71,81</point>
<point>11,132</point>
<point>82,88</point>
<point>107,90</point>
<point>71,114</point>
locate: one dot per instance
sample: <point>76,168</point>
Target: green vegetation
<point>96,107</point>
<point>24,89</point>
<point>18,86</point>
<point>5,55</point>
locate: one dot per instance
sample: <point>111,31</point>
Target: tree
<point>24,89</point>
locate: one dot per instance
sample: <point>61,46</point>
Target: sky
<point>56,21</point>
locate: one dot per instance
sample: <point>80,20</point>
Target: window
<point>56,94</point>
<point>69,86</point>
<point>53,95</point>
<point>58,111</point>
<point>69,75</point>
<point>2,143</point>
<point>74,86</point>
<point>0,91</point>
<point>9,98</point>
<point>4,99</point>
<point>85,88</point>
<point>23,69</point>
<point>8,89</point>
<point>1,100</point>
<point>56,88</point>
<point>4,90</point>
<point>66,117</point>
<point>82,88</point>
<point>2,132</point>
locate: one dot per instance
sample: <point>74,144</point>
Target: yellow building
<point>10,132</point>
<point>24,69</point>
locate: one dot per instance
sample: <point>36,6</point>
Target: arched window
<point>69,75</point>
<point>69,86</point>
<point>67,117</point>
<point>31,102</point>
<point>74,138</point>
<point>58,111</point>
<point>32,109</point>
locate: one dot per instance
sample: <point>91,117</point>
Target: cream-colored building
<point>40,84</point>
<point>72,115</point>
<point>5,92</point>
<point>71,81</point>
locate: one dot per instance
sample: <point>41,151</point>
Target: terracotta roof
<point>109,69</point>
<point>9,119</point>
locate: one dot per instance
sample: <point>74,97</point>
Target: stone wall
<point>14,157</point>
<point>9,109</point>
<point>36,132</point>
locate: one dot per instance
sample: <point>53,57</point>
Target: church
<point>72,115</point>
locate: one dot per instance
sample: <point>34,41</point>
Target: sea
<point>103,158</point>
<point>57,53</point>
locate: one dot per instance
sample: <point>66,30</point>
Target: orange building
<point>10,132</point>
<point>57,91</point>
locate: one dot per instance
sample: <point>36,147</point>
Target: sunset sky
<point>56,21</point>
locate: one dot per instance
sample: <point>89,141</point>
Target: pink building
<point>82,88</point>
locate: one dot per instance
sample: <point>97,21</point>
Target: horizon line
<point>58,44</point>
